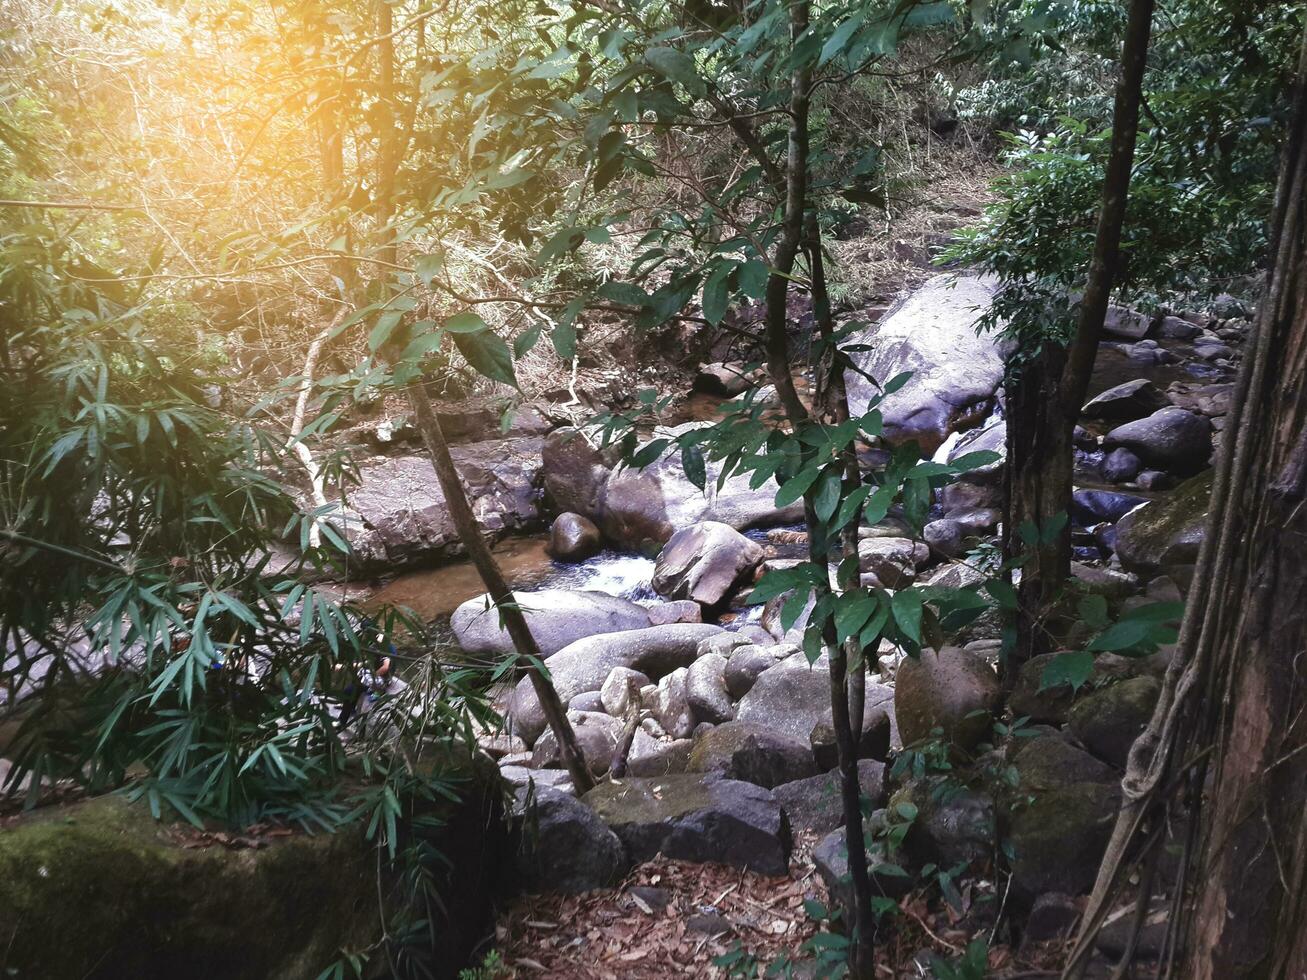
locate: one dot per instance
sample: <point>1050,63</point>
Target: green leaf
<point>466,322</point>
<point>716,296</point>
<point>906,606</point>
<point>792,489</point>
<point>487,354</point>
<point>839,39</point>
<point>693,465</point>
<point>564,340</point>
<point>526,340</point>
<point>852,610</point>
<point>753,278</point>
<point>386,324</point>
<point>1073,667</point>
<point>827,497</point>
<point>1123,635</point>
<point>426,267</point>
<point>676,66</point>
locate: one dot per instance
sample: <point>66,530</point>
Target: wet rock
<point>615,695</point>
<point>524,775</point>
<point>814,803</point>
<point>793,698</point>
<point>749,661</point>
<point>1175,328</point>
<point>706,690</point>
<point>585,664</point>
<point>1169,439</point>
<point>952,690</point>
<point>979,488</point>
<point>573,538</point>
<point>1168,531</point>
<point>1155,480</point>
<point>596,735</point>
<point>1104,581</point>
<point>1089,507</point>
<point>566,847</point>
<point>704,562</point>
<point>955,371</point>
<point>1126,402</point>
<point>1121,466</point>
<point>696,818</point>
<point>556,617</point>
<point>751,754</point>
<point>671,705</point>
<point>1058,839</point>
<point>1109,720</point>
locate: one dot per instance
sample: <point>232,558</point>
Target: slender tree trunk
<point>1047,393</point>
<point>388,144</point>
<point>776,343</point>
<point>469,532</point>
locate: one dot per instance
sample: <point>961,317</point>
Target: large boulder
<point>815,804</point>
<point>1051,761</point>
<point>556,617</point>
<point>597,735</point>
<point>953,824</point>
<point>573,538</point>
<point>1109,720</point>
<point>704,562</point>
<point>979,488</point>
<point>575,469</point>
<point>706,690</point>
<point>585,664</point>
<point>565,846</point>
<point>746,663</point>
<point>397,514</point>
<point>642,509</point>
<point>1057,840</point>
<point>696,818</point>
<point>892,560</point>
<point>1171,439</point>
<point>953,690</point>
<point>738,750</point>
<point>955,371</point>
<point>1121,321</point>
<point>793,698</point>
<point>1166,532</point>
<point>1126,402</point>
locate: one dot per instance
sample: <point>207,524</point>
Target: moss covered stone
<point>1167,532</point>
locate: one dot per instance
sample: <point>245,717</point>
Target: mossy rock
<point>1167,532</point>
<point>98,889</point>
<point>1058,840</point>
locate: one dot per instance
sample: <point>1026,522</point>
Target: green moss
<point>649,800</point>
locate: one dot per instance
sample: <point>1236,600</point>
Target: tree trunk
<point>776,342</point>
<point>1234,697</point>
<point>1047,393</point>
<point>469,532</point>
<point>1249,917</point>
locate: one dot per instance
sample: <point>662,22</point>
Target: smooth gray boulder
<point>652,756</point>
<point>615,695</point>
<point>671,705</point>
<point>556,618</point>
<point>704,562</point>
<point>979,488</point>
<point>565,845</point>
<point>793,698</point>
<point>691,817</point>
<point>585,664</point>
<point>573,538</point>
<point>747,662</point>
<point>1121,321</point>
<point>574,470</point>
<point>955,372</point>
<point>1171,439</point>
<point>706,690</point>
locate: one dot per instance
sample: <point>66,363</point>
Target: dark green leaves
<point>676,66</point>
<point>487,354</point>
<point>1073,667</point>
